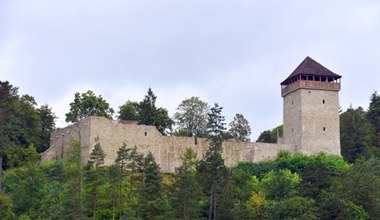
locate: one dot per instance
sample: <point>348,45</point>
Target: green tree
<point>373,114</point>
<point>8,97</point>
<point>128,111</point>
<point>294,208</point>
<point>6,205</point>
<point>26,188</point>
<point>356,134</point>
<point>186,189</point>
<point>121,161</point>
<point>270,136</point>
<point>215,122</point>
<point>48,125</point>
<point>73,192</point>
<point>88,104</point>
<point>191,116</point>
<point>332,206</point>
<point>149,114</point>
<point>212,169</point>
<point>361,185</point>
<point>280,184</point>
<point>94,179</point>
<point>239,128</point>
<point>151,201</point>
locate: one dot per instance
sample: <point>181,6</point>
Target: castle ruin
<point>311,125</point>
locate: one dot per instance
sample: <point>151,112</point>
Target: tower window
<point>146,133</point>
<point>323,101</point>
<point>292,102</point>
<point>324,128</point>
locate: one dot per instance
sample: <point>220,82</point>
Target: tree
<point>373,114</point>
<point>149,114</point>
<point>191,116</point>
<point>280,184</point>
<point>186,189</point>
<point>88,104</point>
<point>239,128</point>
<point>8,98</point>
<point>211,168</point>
<point>270,136</point>
<point>47,124</point>
<point>356,134</point>
<point>6,205</point>
<point>121,161</point>
<point>215,122</point>
<point>147,109</point>
<point>151,202</point>
<point>361,185</point>
<point>73,200</point>
<point>128,111</point>
<point>93,175</point>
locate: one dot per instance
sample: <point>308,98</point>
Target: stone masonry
<point>311,125</point>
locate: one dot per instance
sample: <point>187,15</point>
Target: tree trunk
<point>210,205</point>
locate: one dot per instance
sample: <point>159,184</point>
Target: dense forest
<point>290,187</point>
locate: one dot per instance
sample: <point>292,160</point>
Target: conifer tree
<point>151,202</point>
<point>121,161</point>
<point>94,178</point>
<point>186,188</point>
<point>212,168</point>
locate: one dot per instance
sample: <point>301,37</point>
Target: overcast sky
<point>233,52</point>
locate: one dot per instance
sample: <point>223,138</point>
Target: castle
<point>310,118</point>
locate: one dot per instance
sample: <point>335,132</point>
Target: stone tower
<point>311,109</point>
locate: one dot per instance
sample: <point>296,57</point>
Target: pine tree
<point>212,168</point>
<point>94,178</point>
<point>151,202</point>
<point>121,161</point>
<point>186,189</point>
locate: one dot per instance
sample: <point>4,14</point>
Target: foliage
<point>280,184</point>
<point>128,111</point>
<point>6,206</point>
<point>186,190</point>
<point>294,208</point>
<point>373,114</point>
<point>88,104</point>
<point>239,128</point>
<point>191,116</point>
<point>151,201</point>
<point>149,114</point>
<point>270,136</point>
<point>215,122</point>
<point>356,133</point>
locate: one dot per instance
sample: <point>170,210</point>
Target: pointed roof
<point>311,67</point>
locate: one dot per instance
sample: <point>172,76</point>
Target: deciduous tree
<point>191,116</point>
<point>88,104</point>
<point>239,128</point>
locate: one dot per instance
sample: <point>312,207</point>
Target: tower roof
<point>311,67</point>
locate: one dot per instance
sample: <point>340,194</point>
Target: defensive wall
<point>167,150</point>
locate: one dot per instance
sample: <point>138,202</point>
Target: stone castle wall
<point>167,150</point>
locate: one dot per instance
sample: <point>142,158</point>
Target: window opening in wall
<point>292,129</point>
<point>309,91</point>
<point>324,128</point>
<point>292,102</point>
<point>146,133</point>
<point>323,101</point>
